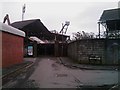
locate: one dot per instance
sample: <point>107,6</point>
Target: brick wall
<point>0,49</point>
<point>81,49</point>
<point>12,49</point>
<point>73,50</point>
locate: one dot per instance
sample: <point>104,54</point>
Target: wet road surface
<point>49,73</point>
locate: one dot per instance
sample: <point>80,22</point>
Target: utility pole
<point>23,11</point>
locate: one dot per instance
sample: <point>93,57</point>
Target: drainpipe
<point>99,29</point>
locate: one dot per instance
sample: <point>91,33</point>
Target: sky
<point>83,15</point>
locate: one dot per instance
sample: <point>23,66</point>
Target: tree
<point>83,35</point>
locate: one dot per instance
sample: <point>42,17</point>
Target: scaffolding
<point>110,20</point>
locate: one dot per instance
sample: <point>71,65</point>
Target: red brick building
<point>11,48</point>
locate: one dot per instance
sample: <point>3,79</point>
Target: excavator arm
<point>6,18</point>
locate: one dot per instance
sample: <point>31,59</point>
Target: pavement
<point>70,63</point>
<point>10,74</point>
<point>63,60</point>
<point>54,72</point>
<point>51,72</point>
<point>8,70</point>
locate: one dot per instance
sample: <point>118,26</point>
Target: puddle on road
<point>61,75</point>
<point>55,83</point>
<point>55,66</point>
<point>67,85</point>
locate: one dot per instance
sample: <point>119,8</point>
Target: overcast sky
<point>82,15</point>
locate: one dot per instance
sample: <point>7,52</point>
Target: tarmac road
<point>49,73</point>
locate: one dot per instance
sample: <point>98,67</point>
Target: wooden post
<point>56,48</point>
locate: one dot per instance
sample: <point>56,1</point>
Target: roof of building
<point>33,24</point>
<point>36,28</point>
<point>112,14</point>
<point>21,24</point>
<point>10,29</point>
